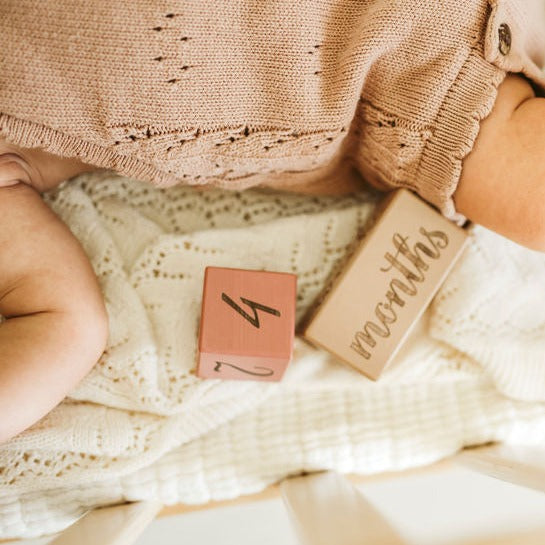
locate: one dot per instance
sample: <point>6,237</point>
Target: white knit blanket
<point>142,426</point>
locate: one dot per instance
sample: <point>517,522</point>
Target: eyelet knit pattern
<point>239,94</point>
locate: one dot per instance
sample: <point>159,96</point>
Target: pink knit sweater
<point>238,93</point>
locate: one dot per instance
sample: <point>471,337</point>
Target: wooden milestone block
<point>247,324</point>
<point>387,284</point>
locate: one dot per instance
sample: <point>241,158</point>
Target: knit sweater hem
<point>28,134</point>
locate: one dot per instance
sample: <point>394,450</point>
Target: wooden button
<point>504,34</point>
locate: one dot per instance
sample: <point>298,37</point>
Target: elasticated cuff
<point>468,101</point>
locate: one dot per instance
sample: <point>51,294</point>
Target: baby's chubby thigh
<point>502,184</point>
<point>56,325</point>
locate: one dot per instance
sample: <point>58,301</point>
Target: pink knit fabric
<point>238,93</point>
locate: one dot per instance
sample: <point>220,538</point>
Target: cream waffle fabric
<point>141,425</point>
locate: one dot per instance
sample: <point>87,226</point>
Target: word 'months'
<point>389,281</point>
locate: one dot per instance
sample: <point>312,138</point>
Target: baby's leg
<point>56,323</point>
<point>502,185</point>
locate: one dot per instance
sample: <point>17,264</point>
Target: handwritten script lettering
<point>267,372</point>
<point>413,267</point>
<point>254,320</point>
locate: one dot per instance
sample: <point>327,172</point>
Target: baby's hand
<point>56,323</point>
<point>502,185</point>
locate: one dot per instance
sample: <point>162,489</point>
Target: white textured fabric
<point>141,425</point>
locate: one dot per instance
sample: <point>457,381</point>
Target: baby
<point>56,324</point>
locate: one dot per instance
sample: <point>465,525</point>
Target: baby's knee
<point>88,326</point>
<point>44,356</point>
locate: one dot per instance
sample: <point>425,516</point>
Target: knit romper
<point>240,93</point>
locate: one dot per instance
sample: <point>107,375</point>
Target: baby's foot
<point>37,168</point>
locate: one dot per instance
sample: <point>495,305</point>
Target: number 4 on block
<point>247,324</point>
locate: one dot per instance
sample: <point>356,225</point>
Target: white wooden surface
<point>117,525</point>
<point>445,504</point>
<point>521,465</point>
<point>325,508</point>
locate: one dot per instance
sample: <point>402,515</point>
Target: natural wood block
<point>247,324</point>
<point>387,284</point>
<point>113,525</point>
<point>325,508</point>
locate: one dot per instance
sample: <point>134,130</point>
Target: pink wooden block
<point>247,324</point>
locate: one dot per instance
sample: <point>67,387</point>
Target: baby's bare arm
<point>502,185</point>
<point>56,327</point>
